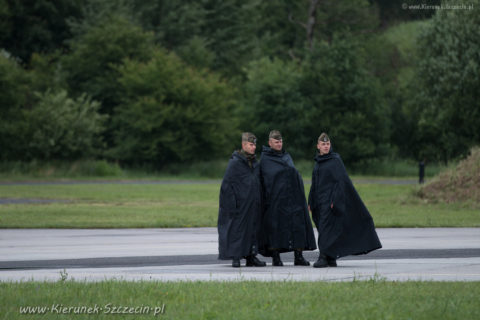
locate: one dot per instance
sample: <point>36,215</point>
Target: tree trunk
<point>311,22</point>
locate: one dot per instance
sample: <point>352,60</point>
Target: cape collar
<point>320,158</point>
<point>269,151</point>
<point>238,155</point>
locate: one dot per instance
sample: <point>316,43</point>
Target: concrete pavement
<point>440,254</point>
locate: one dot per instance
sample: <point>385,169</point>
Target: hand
<point>309,208</point>
<point>331,206</point>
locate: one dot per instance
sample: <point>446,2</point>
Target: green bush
<point>97,51</point>
<point>63,128</point>
<point>59,169</point>
<point>446,100</point>
<point>273,100</point>
<point>345,101</point>
<point>172,113</point>
<point>15,97</point>
<point>95,168</point>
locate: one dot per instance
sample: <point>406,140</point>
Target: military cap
<point>323,137</point>
<point>249,137</point>
<point>275,134</point>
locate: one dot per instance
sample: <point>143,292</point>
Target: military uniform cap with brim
<point>249,137</point>
<point>275,134</point>
<point>323,138</point>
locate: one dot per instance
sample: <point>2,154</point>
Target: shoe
<point>276,261</point>
<point>236,263</point>
<point>321,262</point>
<point>331,262</point>
<point>253,261</point>
<point>299,259</point>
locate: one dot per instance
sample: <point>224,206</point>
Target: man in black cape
<point>286,221</point>
<point>239,214</point>
<point>344,224</point>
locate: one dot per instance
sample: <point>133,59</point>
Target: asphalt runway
<point>190,254</point>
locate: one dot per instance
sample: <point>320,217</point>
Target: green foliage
<point>63,128</point>
<point>345,101</point>
<point>331,91</point>
<point>174,22</point>
<point>79,169</point>
<point>360,74</point>
<point>273,100</point>
<point>39,27</point>
<point>195,53</point>
<point>91,67</point>
<point>344,18</point>
<point>447,100</point>
<point>391,56</point>
<point>171,112</point>
<point>15,95</point>
<point>225,29</point>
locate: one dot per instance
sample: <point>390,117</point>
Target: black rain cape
<point>239,213</point>
<point>348,228</point>
<point>286,221</point>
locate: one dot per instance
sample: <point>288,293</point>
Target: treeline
<point>151,82</point>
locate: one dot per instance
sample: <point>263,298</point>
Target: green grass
<point>398,168</point>
<point>101,170</point>
<point>196,205</point>
<point>112,206</point>
<point>373,299</point>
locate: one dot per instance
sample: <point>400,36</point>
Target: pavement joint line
<point>210,259</point>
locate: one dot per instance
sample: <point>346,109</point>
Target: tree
<point>345,101</point>
<point>63,128</point>
<point>15,96</point>
<point>171,113</point>
<point>39,26</point>
<point>91,65</point>
<point>447,99</point>
<point>273,100</point>
<point>323,20</point>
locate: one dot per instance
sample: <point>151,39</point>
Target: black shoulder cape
<point>286,220</point>
<point>348,228</point>
<point>239,214</point>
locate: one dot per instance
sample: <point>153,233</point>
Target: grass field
<point>214,169</point>
<point>373,299</point>
<point>195,205</point>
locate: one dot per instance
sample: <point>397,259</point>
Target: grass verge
<point>373,299</point>
<point>214,169</point>
<point>196,205</point>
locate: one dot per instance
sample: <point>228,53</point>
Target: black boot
<point>299,259</point>
<point>331,262</point>
<point>252,261</point>
<point>276,261</point>
<point>321,262</point>
<point>236,263</point>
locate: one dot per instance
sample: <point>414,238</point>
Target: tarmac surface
<point>190,254</point>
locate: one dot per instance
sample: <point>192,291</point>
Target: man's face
<point>323,147</point>
<point>249,147</point>
<point>275,144</point>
